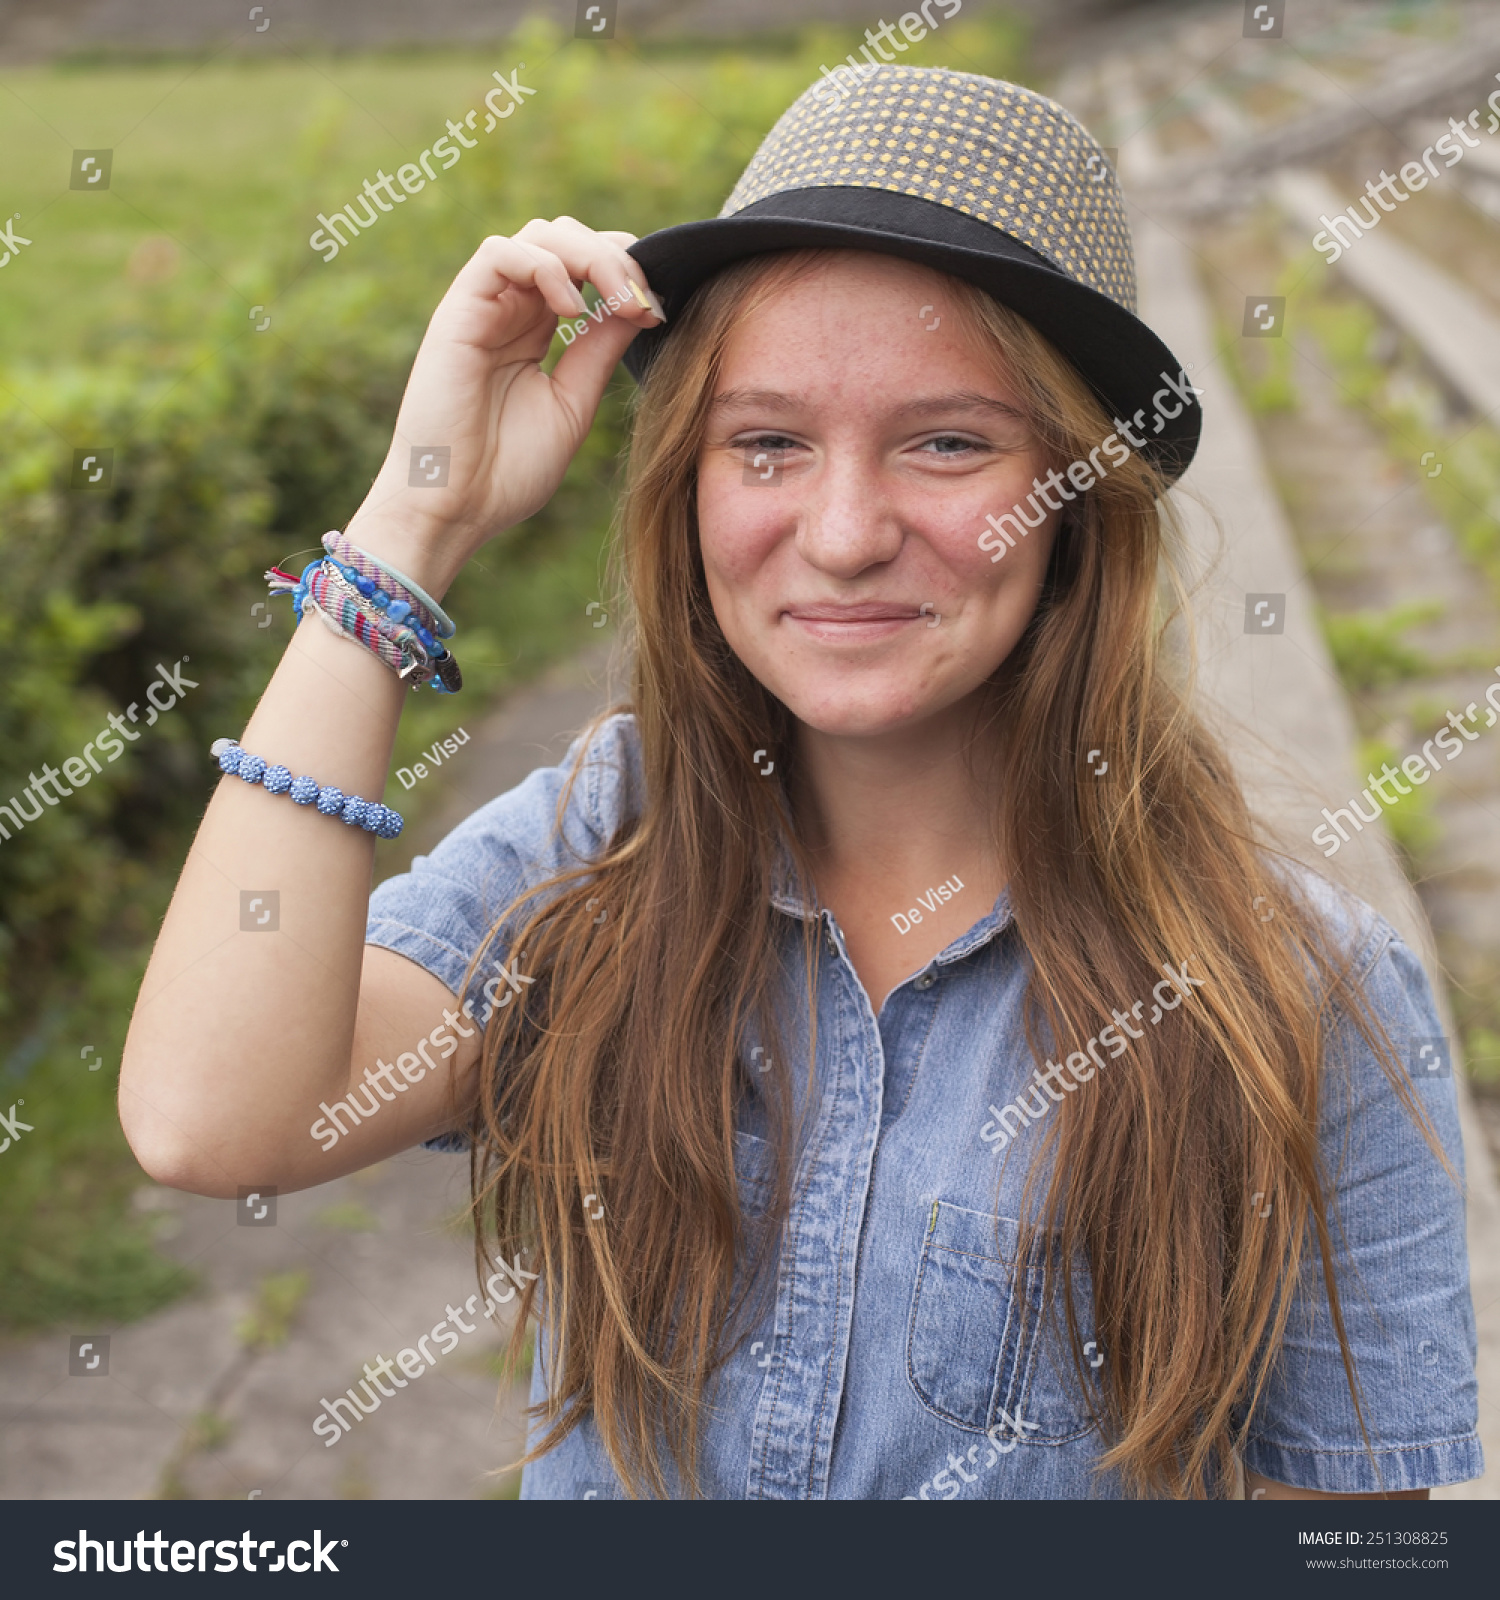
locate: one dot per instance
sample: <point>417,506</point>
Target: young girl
<point>890,1062</point>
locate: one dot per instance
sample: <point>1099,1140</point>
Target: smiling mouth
<point>856,625</point>
<point>872,611</point>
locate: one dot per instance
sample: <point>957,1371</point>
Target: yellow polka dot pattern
<point>992,150</point>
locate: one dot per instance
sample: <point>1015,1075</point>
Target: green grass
<point>348,1216</point>
<point>218,173</point>
<point>278,1298</point>
<point>1368,649</point>
<point>220,169</point>
<point>1482,1051</point>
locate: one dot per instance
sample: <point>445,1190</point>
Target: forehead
<point>858,328</point>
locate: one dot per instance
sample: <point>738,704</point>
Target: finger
<point>598,259</point>
<point>500,264</point>
<point>585,367</point>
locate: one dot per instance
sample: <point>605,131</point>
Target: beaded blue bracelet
<point>370,815</point>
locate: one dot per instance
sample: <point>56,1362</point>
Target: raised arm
<point>239,1035</point>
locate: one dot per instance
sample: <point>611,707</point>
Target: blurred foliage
<point>1482,1051</point>
<point>1368,649</point>
<point>1408,816</point>
<point>1262,368</point>
<point>348,1216</point>
<point>278,1298</point>
<point>130,322</point>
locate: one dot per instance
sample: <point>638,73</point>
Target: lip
<point>865,623</point>
<point>866,611</point>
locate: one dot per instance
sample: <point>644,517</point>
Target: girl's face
<point>855,446</point>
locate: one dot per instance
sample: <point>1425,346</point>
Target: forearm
<point>245,1020</point>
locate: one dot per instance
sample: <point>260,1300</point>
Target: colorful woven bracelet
<point>388,608</point>
<point>370,815</point>
<point>396,643</point>
<point>383,577</point>
<point>391,627</point>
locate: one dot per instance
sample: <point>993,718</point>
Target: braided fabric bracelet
<point>404,628</point>
<point>370,815</point>
<point>375,571</point>
<point>397,644</point>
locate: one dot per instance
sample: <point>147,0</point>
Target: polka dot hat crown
<point>985,180</point>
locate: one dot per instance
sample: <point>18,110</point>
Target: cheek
<point>738,526</point>
<point>976,574</point>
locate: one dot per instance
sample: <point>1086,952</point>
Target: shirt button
<point>926,981</point>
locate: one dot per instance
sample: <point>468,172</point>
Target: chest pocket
<point>968,1356</point>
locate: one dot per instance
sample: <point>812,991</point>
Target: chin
<point>863,711</point>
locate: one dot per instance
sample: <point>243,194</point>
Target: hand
<point>477,388</point>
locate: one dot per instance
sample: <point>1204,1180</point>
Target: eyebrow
<point>928,405</point>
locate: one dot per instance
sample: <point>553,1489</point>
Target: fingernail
<point>647,298</point>
<point>580,304</point>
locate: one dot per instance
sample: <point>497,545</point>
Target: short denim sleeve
<point>439,912</point>
<point>1401,1265</point>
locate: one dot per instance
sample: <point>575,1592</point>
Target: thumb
<point>585,366</point>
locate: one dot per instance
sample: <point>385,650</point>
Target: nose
<point>847,521</point>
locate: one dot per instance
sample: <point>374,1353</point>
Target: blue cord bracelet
<point>370,815</point>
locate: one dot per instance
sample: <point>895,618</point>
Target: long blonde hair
<point>621,1076</point>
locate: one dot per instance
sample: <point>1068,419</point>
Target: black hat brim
<point>1120,358</point>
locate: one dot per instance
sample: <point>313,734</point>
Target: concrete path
<point>190,1408</point>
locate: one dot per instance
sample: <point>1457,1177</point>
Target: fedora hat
<point>973,176</point>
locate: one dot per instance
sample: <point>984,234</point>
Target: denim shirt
<point>887,1362</point>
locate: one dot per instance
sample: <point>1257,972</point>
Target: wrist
<point>430,554</point>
